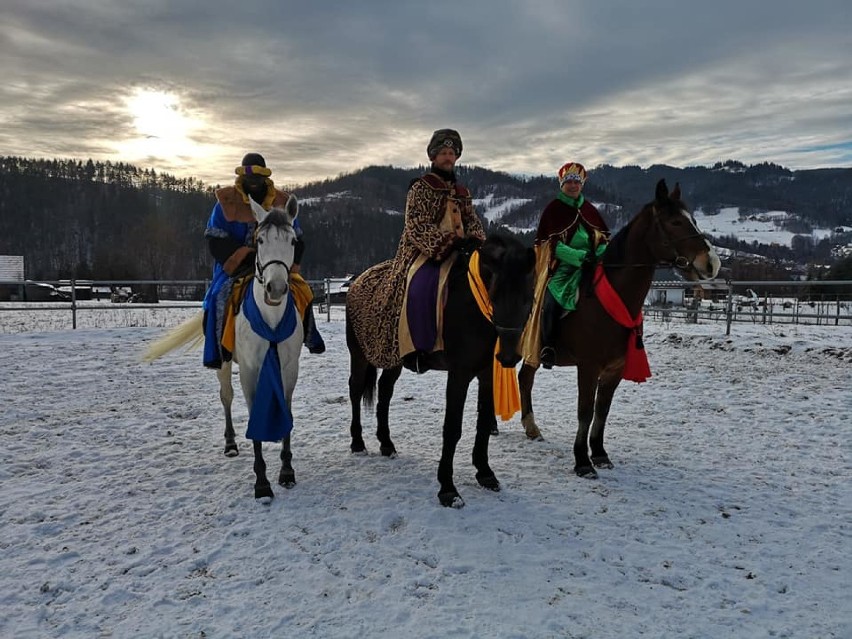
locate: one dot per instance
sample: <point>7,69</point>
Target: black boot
<point>313,339</point>
<point>549,315</point>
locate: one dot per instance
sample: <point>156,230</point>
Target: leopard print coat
<point>374,301</point>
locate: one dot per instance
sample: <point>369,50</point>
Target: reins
<point>679,260</point>
<point>260,268</point>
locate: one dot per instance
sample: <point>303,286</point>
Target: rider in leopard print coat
<point>439,216</point>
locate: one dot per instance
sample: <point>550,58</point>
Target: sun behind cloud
<point>163,127</point>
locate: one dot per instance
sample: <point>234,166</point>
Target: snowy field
<point>763,228</point>
<point>728,513</point>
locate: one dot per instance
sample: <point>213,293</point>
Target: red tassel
<point>636,368</point>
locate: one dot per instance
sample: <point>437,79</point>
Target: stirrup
<point>547,357</point>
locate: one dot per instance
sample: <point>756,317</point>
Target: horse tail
<point>189,332</point>
<point>369,386</point>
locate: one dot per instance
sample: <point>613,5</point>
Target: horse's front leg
<point>603,401</point>
<point>457,384</point>
<point>587,382</point>
<point>486,423</point>
<point>287,476</point>
<point>226,395</point>
<point>359,370</point>
<point>526,379</point>
<point>387,380</point>
<point>262,489</point>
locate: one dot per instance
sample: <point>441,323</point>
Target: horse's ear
<point>676,192</point>
<point>291,208</point>
<point>662,191</point>
<point>260,213</point>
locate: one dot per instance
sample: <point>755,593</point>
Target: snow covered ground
<point>728,514</point>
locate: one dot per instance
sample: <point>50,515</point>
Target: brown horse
<point>662,233</point>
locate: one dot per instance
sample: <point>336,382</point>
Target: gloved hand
<point>466,245</point>
<point>246,267</point>
<point>568,255</point>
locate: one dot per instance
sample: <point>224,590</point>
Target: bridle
<point>679,261</point>
<point>260,268</point>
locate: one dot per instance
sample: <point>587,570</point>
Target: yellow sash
<point>507,398</point>
<point>233,303</point>
<point>302,293</point>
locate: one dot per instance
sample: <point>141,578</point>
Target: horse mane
<point>277,217</point>
<point>503,240</point>
<point>615,250</point>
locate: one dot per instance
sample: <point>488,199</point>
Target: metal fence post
<point>73,303</point>
<point>327,286</point>
<point>729,311</point>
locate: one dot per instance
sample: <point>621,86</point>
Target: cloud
<point>323,88</point>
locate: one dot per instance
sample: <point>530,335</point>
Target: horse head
<point>675,238</point>
<point>275,239</point>
<point>507,268</point>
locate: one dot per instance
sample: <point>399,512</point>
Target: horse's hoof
<point>586,472</point>
<point>231,450</point>
<point>263,493</point>
<point>490,482</point>
<point>361,452</point>
<point>451,500</point>
<point>530,427</point>
<point>388,451</point>
<point>287,479</point>
<point>602,462</point>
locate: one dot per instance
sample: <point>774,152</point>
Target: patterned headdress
<point>442,138</point>
<point>572,171</point>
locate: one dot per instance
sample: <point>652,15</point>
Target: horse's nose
<point>508,360</point>
<point>275,291</point>
<point>708,265</point>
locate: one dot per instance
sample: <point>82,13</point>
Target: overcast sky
<point>322,88</point>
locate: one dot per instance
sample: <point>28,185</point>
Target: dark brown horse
<point>506,268</point>
<point>662,233</point>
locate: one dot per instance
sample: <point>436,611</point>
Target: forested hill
<point>107,220</point>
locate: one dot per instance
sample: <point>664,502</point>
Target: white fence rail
<point>759,302</point>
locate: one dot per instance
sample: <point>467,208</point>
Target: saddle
<point>422,319</point>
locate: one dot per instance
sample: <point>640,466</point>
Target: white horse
<point>269,359</point>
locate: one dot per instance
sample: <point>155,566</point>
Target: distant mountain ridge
<point>116,221</point>
<point>820,197</point>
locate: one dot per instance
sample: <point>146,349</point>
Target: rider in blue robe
<point>230,237</point>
